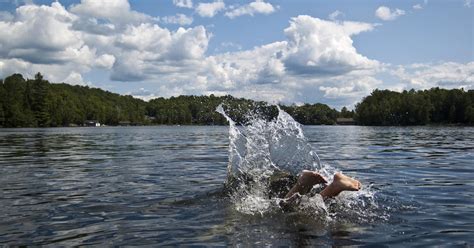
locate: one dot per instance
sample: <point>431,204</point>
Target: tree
<point>39,101</point>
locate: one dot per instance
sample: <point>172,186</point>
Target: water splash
<point>260,147</point>
<point>265,145</point>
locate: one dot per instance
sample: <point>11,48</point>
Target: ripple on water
<point>161,186</point>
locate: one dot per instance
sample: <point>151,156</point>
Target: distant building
<point>345,121</point>
<point>91,123</point>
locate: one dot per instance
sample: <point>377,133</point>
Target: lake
<point>163,186</point>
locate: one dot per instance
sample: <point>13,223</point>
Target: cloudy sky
<point>334,52</point>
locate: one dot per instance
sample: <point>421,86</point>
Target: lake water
<point>163,186</point>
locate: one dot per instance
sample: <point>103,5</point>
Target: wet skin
<point>308,179</point>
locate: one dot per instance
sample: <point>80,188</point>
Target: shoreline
<point>218,125</point>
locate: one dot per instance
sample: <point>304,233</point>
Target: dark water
<point>161,186</point>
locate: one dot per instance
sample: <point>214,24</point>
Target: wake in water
<point>260,149</point>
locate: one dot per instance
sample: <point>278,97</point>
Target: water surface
<point>162,186</point>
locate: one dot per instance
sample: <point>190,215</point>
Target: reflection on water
<point>162,186</point>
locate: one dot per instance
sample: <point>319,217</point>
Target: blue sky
<point>334,52</point>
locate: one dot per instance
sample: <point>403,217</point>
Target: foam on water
<point>260,147</point>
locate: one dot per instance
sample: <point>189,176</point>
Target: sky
<point>291,52</point>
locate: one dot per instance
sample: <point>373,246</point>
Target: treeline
<point>39,103</point>
<point>433,106</point>
<point>201,110</point>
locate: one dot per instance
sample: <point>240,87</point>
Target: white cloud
<point>105,61</point>
<point>420,6</point>
<point>318,70</point>
<point>55,73</point>
<point>210,9</point>
<point>334,15</point>
<point>57,42</point>
<point>180,19</point>
<point>316,61</point>
<point>67,45</point>
<point>445,75</point>
<point>386,14</point>
<point>183,3</point>
<point>143,94</point>
<point>256,7</point>
<point>42,35</point>
<point>468,3</point>
<point>319,47</point>
<point>147,50</point>
<point>245,67</point>
<point>117,11</point>
<point>231,45</point>
<point>75,78</point>
<point>353,88</point>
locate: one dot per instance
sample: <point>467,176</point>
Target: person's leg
<point>340,183</point>
<point>305,182</point>
<point>308,179</point>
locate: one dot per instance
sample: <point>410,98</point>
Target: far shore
<point>219,125</point>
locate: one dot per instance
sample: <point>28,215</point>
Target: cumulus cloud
<point>75,78</point>
<point>316,61</point>
<point>105,61</point>
<point>467,3</point>
<point>445,75</point>
<point>117,11</point>
<point>63,43</point>
<point>147,50</point>
<point>353,88</point>
<point>143,94</point>
<point>69,43</point>
<point>210,9</point>
<point>257,7</point>
<point>183,3</point>
<point>319,47</point>
<point>334,15</point>
<point>231,45</point>
<point>420,6</point>
<point>386,14</point>
<point>300,67</point>
<point>53,72</point>
<point>180,19</point>
<point>42,35</point>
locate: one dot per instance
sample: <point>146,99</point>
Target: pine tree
<point>39,101</point>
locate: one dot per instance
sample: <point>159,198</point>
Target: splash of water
<point>260,147</point>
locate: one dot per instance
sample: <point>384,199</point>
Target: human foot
<point>310,178</point>
<point>341,183</point>
<point>305,182</point>
<point>344,182</point>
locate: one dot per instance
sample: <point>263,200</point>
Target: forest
<point>433,106</point>
<point>39,103</point>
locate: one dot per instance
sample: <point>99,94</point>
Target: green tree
<point>39,101</point>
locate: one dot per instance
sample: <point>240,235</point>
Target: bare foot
<point>344,182</point>
<point>310,178</point>
<point>305,182</point>
<point>341,183</point>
